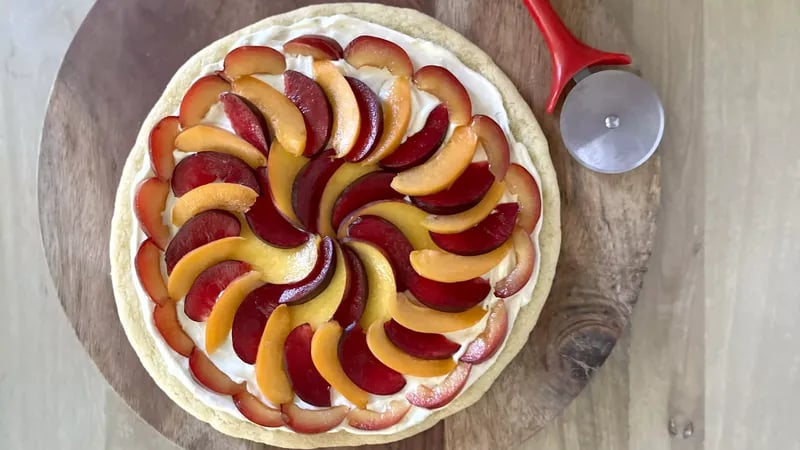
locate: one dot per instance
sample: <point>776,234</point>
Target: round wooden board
<point>118,65</point>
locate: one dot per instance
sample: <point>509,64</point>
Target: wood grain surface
<point>608,221</point>
<point>752,191</point>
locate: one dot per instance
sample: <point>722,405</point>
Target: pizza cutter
<point>612,120</point>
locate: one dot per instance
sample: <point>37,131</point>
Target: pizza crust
<point>524,128</point>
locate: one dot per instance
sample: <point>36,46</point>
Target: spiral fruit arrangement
<point>331,247</point>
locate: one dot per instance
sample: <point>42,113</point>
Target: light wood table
<point>721,286</point>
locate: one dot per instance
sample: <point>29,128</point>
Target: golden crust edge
<point>523,125</point>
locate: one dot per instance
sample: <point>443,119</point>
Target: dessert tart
<point>336,227</point>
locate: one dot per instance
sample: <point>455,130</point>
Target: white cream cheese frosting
<point>485,98</point>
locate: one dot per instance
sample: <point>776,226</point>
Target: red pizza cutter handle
<point>568,54</point>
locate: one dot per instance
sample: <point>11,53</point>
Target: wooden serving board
<point>116,68</point>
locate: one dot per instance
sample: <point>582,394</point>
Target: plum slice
<point>369,188</point>
<point>443,84</point>
<point>165,318</point>
<point>484,237</point>
<point>318,279</point>
<point>209,375</point>
<point>148,270</point>
<point>488,342</point>
<point>248,325</point>
<point>309,185</point>
<point>250,59</point>
<point>209,284</point>
<point>309,98</point>
<point>208,226</point>
<point>522,183</point>
<point>369,106</point>
<point>525,255</point>
<point>355,295</point>
<point>199,98</point>
<point>246,121</point>
<point>149,203</point>
<point>494,142</point>
<point>364,419</point>
<point>363,367</point>
<point>420,146</point>
<point>203,168</point>
<point>268,223</point>
<point>444,392</point>
<point>306,380</point>
<point>421,345</point>
<point>257,412</point>
<point>377,52</point>
<point>314,45</point>
<point>311,421</point>
<point>162,145</point>
<point>466,192</point>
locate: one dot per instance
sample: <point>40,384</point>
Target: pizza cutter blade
<point>612,121</point>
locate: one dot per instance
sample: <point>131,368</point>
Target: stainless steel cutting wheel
<point>612,121</point>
